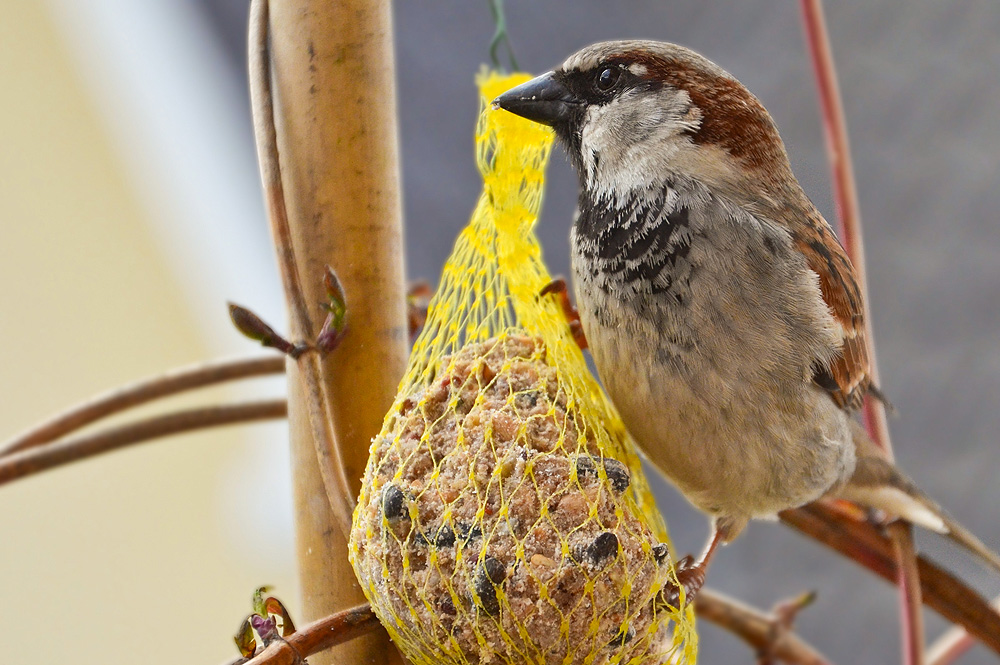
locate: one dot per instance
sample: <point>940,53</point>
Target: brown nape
<point>732,118</point>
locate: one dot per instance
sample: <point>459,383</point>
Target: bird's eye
<point>607,78</point>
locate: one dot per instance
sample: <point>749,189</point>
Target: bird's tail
<point>879,484</point>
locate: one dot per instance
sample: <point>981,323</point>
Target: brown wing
<point>847,376</point>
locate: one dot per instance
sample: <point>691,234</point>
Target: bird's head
<point>634,113</point>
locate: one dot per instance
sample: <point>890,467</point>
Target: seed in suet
<point>394,503</point>
<point>604,547</point>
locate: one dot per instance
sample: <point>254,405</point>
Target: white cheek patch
<point>593,140</point>
<point>628,143</point>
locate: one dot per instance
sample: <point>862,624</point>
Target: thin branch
<point>845,193</point>
<point>901,536</point>
<point>863,543</point>
<point>951,645</point>
<point>42,458</point>
<point>757,629</point>
<point>845,196</point>
<point>325,441</point>
<point>752,626</point>
<point>127,396</point>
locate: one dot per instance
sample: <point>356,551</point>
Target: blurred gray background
<point>921,82</point>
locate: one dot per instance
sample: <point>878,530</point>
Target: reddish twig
<point>866,545</point>
<point>901,536</point>
<point>48,456</point>
<point>338,488</point>
<point>950,646</point>
<point>141,392</point>
<point>849,229</point>
<point>845,194</point>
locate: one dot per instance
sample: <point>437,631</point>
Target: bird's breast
<point>678,315</point>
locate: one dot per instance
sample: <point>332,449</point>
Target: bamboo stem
<point>335,131</point>
<point>130,395</point>
<point>48,456</point>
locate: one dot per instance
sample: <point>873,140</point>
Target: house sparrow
<point>723,316</point>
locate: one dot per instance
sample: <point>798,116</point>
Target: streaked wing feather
<point>847,377</point>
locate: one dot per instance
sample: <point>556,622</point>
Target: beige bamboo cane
<point>335,117</point>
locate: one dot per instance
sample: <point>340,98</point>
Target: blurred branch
<point>141,392</point>
<point>752,626</point>
<point>47,456</point>
<point>863,543</point>
<point>764,633</point>
<point>950,646</point>
<point>901,536</point>
<point>849,228</point>
<point>845,193</point>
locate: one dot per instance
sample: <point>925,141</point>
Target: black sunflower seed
<point>622,638</point>
<point>491,574</point>
<point>617,473</point>
<point>394,503</point>
<point>604,547</point>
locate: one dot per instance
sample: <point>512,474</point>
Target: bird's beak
<point>542,99</point>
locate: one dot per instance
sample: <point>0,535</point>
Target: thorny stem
<point>950,646</point>
<point>130,395</point>
<point>849,229</point>
<point>327,448</point>
<point>43,457</point>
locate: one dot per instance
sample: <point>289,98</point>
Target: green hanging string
<point>496,7</point>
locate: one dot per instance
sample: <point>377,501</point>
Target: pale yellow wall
<point>118,560</point>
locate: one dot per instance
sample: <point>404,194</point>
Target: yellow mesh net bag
<point>504,516</point>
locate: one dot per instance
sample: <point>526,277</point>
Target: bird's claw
<point>690,577</point>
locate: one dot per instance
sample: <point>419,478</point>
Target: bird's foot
<point>558,288</point>
<point>690,579</point>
